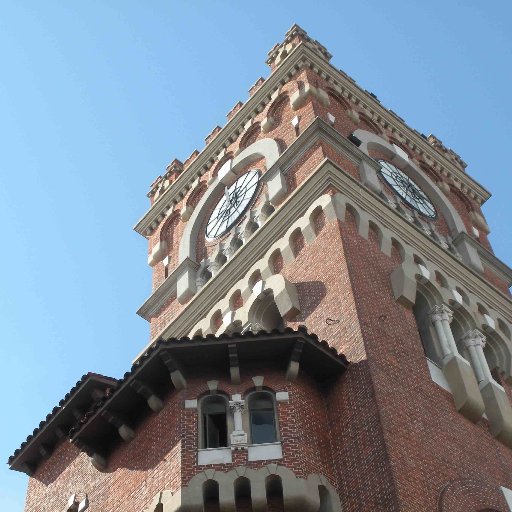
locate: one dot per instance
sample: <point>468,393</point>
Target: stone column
<point>474,341</point>
<point>441,316</point>
<point>238,436</point>
<point>456,369</point>
<point>497,405</point>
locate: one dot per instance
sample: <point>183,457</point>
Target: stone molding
<point>394,229</point>
<point>303,57</point>
<point>298,493</point>
<point>285,297</point>
<point>318,130</point>
<point>263,148</point>
<point>489,260</point>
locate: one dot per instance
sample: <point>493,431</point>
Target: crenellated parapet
<point>270,486</point>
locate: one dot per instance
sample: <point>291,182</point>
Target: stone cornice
<point>254,105</point>
<point>317,130</point>
<point>299,57</point>
<point>159,297</point>
<point>490,261</point>
<point>329,174</point>
<point>415,141</point>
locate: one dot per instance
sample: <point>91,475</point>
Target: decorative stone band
<point>298,212</point>
<point>303,57</point>
<point>307,495</point>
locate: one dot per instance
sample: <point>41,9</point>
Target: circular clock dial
<point>407,189</point>
<point>232,205</point>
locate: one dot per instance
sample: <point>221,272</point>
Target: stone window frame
<point>200,427</point>
<point>246,421</point>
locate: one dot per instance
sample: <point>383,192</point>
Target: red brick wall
<point>136,472</point>
<point>428,442</point>
<point>164,453</point>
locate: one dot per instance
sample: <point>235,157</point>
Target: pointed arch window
<point>262,418</point>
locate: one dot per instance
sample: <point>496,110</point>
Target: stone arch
<point>165,239</point>
<point>371,141</point>
<point>497,352</point>
<point>264,313</point>
<point>276,107</point>
<point>196,194</point>
<point>366,121</point>
<point>263,148</point>
<point>271,301</point>
<point>467,495</point>
<point>296,493</point>
<point>220,164</point>
<point>427,296</point>
<point>335,95</point>
<point>453,220</point>
<point>250,136</point>
<point>463,321</point>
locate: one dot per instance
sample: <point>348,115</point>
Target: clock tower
<point>329,327</point>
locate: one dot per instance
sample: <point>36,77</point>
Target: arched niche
<point>228,173</point>
<point>264,313</point>
<point>371,141</point>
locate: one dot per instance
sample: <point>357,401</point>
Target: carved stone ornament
<point>237,406</point>
<point>441,312</point>
<point>474,338</point>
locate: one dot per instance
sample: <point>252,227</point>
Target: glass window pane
<point>263,429</point>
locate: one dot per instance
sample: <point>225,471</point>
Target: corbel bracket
<point>154,402</point>
<point>175,372</point>
<point>294,365</point>
<point>127,434</point>
<point>234,365</point>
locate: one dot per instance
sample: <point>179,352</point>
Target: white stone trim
<point>370,140</point>
<point>191,404</point>
<point>293,214</point>
<point>437,376</point>
<point>214,456</point>
<point>282,396</point>
<point>508,496</point>
<point>303,57</point>
<point>264,451</point>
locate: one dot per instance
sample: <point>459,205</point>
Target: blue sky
<point>96,98</point>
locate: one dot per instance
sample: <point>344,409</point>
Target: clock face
<point>232,205</point>
<point>407,189</point>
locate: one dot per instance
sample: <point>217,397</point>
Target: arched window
<point>214,425</point>
<point>262,418</point>
<point>421,311</point>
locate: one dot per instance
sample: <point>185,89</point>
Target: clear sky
<point>97,97</point>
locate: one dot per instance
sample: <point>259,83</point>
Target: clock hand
<point>226,195</point>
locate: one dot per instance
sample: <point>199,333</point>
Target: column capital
<point>474,338</point>
<point>441,312</point>
<point>237,406</point>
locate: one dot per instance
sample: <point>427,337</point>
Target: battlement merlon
<point>294,37</point>
<point>438,144</point>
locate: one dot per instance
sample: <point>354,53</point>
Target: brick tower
<point>330,329</point>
